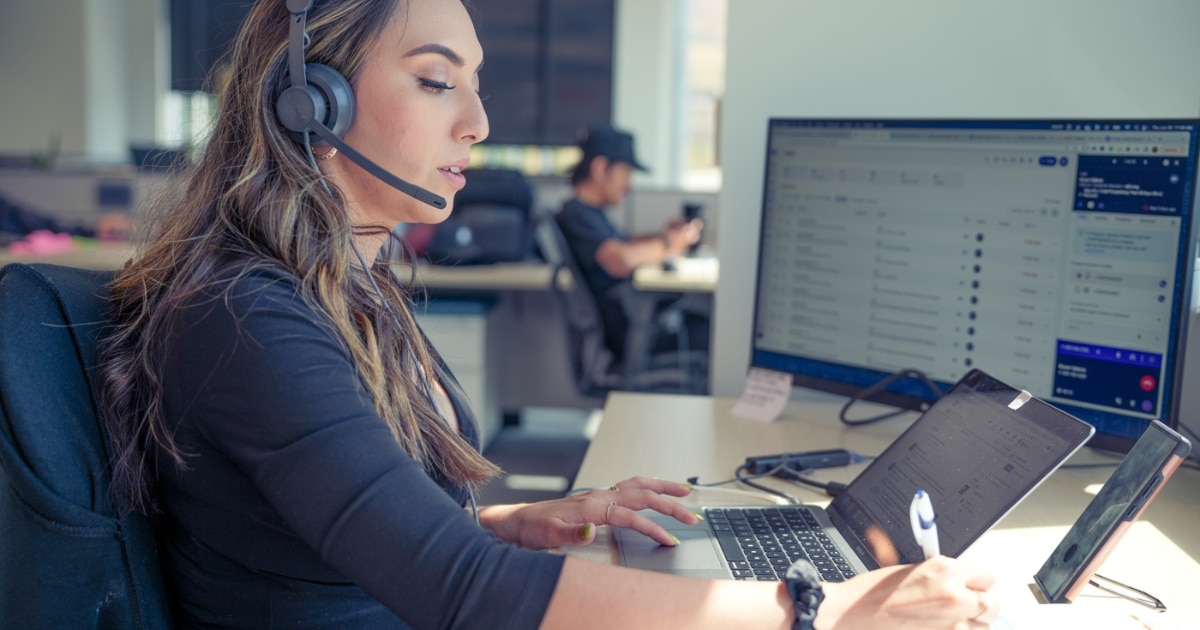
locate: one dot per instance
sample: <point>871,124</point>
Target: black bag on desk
<point>492,221</point>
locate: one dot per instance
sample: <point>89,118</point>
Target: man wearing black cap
<point>607,256</point>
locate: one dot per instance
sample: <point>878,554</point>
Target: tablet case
<point>1133,485</point>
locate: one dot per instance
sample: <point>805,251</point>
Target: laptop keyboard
<point>761,543</point>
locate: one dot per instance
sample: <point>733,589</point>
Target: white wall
<point>45,94</point>
<point>106,80</point>
<point>927,58</point>
<point>645,101</point>
<point>148,68</point>
<point>90,72</point>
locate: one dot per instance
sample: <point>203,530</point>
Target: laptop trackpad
<point>696,555</point>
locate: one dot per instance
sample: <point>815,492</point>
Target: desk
<point>535,276</point>
<point>691,275</point>
<point>517,276</point>
<point>676,437</point>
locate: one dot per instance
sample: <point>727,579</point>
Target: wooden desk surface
<point>677,437</point>
<point>694,275</point>
<point>516,276</point>
<point>691,275</point>
<point>532,276</point>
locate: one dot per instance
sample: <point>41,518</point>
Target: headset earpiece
<point>326,97</point>
<point>318,107</point>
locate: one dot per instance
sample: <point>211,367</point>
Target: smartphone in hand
<point>693,210</point>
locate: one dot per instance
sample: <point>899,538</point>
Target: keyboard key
<point>763,543</point>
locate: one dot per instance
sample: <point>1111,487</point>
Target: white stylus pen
<point>924,523</point>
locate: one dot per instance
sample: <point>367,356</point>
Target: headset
<point>318,107</point>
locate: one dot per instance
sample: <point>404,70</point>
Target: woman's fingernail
<point>585,532</point>
<point>673,538</point>
<point>698,515</point>
<point>689,486</point>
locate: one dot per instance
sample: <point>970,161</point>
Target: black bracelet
<point>803,583</point>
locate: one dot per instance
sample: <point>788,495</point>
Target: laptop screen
<point>977,452</point>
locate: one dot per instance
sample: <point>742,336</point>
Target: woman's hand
<point>573,520</point>
<point>941,593</point>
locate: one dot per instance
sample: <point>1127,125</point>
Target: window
<point>704,87</point>
<point>700,58</point>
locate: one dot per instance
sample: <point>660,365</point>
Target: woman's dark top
<point>296,507</point>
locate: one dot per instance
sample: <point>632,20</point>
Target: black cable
<point>782,471</point>
<point>880,386</point>
<point>831,488</point>
<point>748,480</point>
<point>737,478</point>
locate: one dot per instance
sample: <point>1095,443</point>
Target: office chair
<point>492,221</point>
<point>594,370</point>
<point>69,558</point>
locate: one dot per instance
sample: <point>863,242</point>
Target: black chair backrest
<point>492,221</point>
<point>596,373</point>
<point>590,359</point>
<point>68,557</point>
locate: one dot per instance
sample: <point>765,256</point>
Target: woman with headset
<point>274,404</point>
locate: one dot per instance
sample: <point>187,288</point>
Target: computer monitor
<point>1054,254</point>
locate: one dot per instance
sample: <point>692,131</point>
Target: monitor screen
<point>1054,254</point>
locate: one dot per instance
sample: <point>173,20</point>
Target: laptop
<point>977,452</point>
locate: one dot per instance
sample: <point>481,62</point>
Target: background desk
<point>516,276</point>
<point>520,276</point>
<point>691,275</point>
<point>677,437</point>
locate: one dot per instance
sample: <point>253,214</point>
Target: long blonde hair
<point>254,193</point>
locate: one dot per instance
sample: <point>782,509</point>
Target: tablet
<point>1133,485</point>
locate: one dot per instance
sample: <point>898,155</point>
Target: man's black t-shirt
<point>585,228</point>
